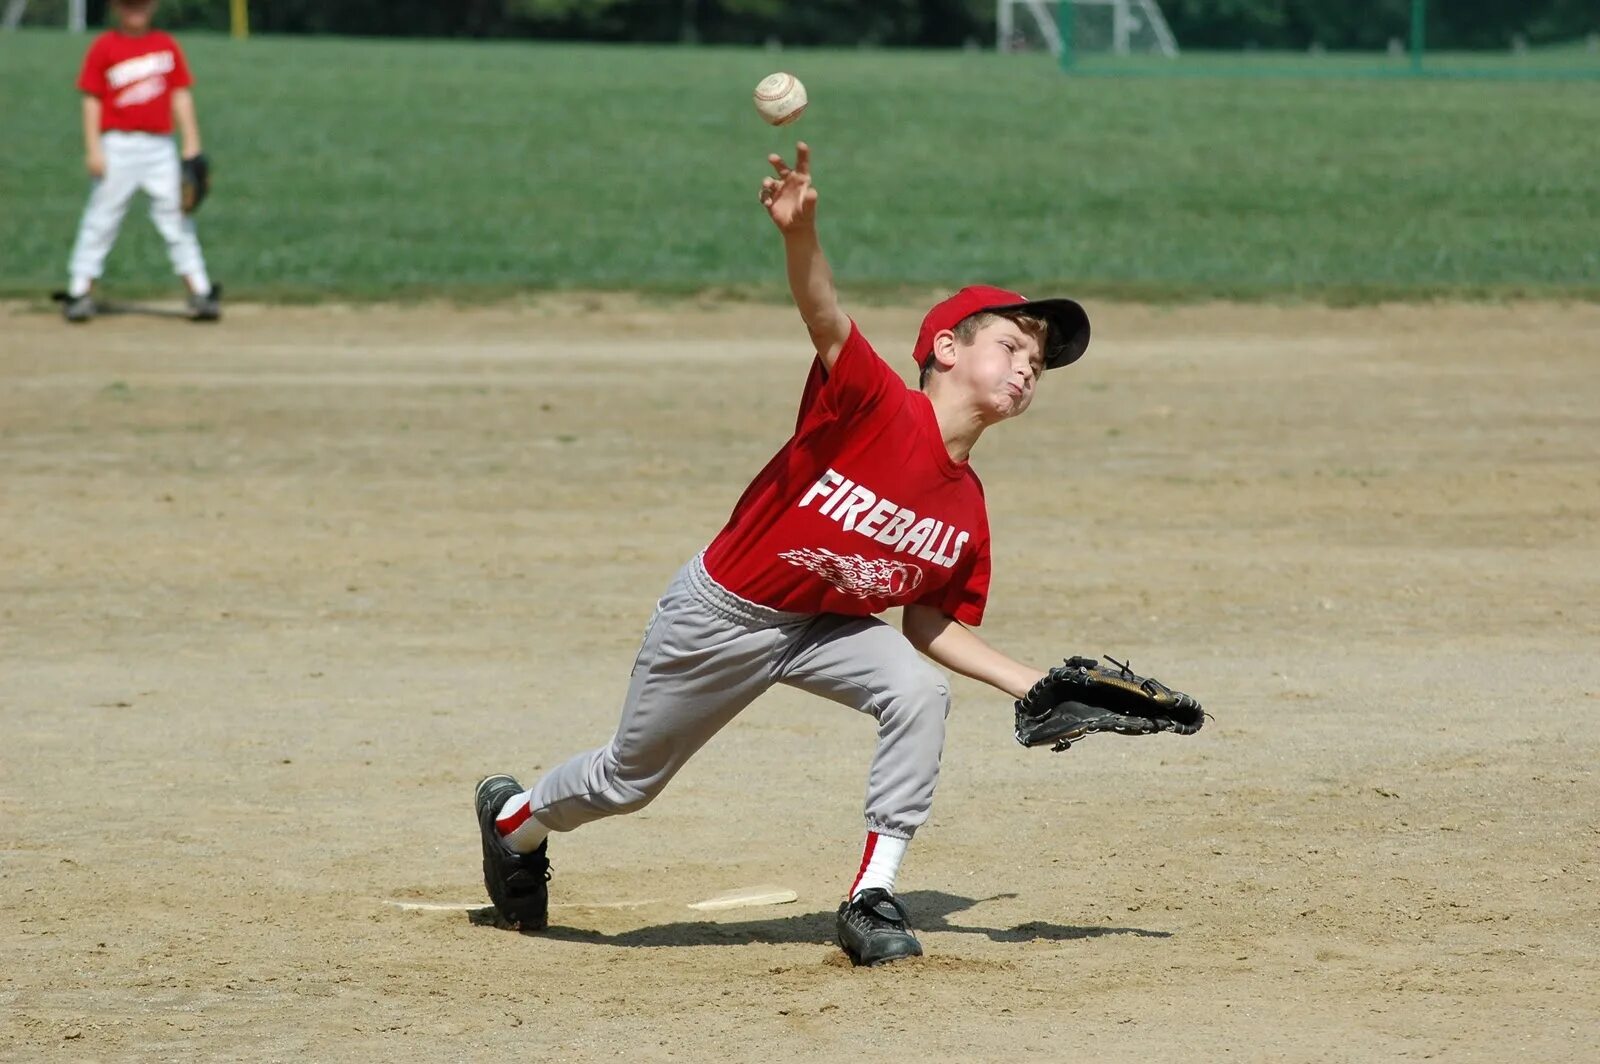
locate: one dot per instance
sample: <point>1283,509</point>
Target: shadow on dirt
<point>931,911</point>
<point>109,308</point>
<point>139,310</point>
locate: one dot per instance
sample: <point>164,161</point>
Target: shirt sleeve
<point>859,381</point>
<point>180,77</point>
<point>92,77</point>
<point>965,596</point>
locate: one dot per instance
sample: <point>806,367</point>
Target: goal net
<point>1070,29</point>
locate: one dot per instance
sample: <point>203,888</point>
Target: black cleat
<point>78,309</point>
<point>516,881</point>
<point>207,307</point>
<point>873,929</point>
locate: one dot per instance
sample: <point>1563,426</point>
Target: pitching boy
<point>871,504</point>
<point>135,82</point>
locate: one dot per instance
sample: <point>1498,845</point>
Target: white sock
<point>880,863</point>
<point>199,283</point>
<point>518,827</point>
<point>79,286</point>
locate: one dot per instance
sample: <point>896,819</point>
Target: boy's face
<point>999,369</point>
<point>133,16</point>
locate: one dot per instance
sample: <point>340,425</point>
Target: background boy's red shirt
<point>134,78</point>
<point>863,509</point>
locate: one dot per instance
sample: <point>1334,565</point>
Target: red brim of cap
<point>1068,336</point>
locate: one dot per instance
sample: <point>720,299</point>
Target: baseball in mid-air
<point>780,98</point>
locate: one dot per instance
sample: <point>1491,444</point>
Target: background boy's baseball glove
<point>196,182</point>
<point>1081,696</point>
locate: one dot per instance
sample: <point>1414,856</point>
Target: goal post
<point>1069,29</point>
<point>72,15</point>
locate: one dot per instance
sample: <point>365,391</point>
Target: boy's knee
<point>625,798</point>
<point>619,791</point>
<point>916,691</point>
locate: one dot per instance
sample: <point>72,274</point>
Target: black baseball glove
<point>196,182</point>
<point>1081,696</point>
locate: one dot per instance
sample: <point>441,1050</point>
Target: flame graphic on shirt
<point>142,91</point>
<point>854,575</point>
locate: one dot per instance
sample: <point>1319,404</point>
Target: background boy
<point>870,505</point>
<point>135,81</point>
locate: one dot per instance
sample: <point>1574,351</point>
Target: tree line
<point>1224,24</point>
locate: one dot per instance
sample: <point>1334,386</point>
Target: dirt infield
<point>274,594</point>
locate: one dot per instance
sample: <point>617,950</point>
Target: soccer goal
<point>71,15</point>
<point>1070,29</point>
<point>56,14</point>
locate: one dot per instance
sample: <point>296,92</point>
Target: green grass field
<point>379,169</point>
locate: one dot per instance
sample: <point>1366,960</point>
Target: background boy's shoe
<point>77,308</point>
<point>516,881</point>
<point>873,929</point>
<point>207,307</point>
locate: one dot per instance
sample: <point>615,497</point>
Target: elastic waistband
<point>730,605</point>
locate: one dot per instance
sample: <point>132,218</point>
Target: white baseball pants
<point>137,161</point>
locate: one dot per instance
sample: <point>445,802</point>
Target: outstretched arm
<point>959,649</point>
<point>791,202</point>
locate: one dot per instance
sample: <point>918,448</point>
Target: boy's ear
<point>944,348</point>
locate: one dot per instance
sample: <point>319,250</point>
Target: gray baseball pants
<point>709,653</point>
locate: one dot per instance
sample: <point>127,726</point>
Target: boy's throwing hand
<point>789,198</point>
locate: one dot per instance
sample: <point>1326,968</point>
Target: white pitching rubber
<point>746,897</point>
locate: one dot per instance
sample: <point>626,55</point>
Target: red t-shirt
<point>862,509</point>
<point>134,78</point>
